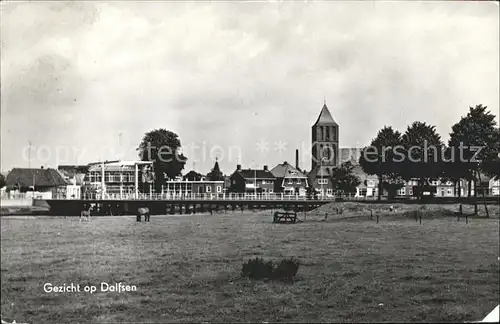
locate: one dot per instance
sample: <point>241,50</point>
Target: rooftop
<point>285,169</point>
<point>24,177</point>
<point>256,173</point>
<point>325,117</point>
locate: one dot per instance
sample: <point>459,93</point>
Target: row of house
<point>122,178</point>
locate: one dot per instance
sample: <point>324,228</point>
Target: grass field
<point>187,269</point>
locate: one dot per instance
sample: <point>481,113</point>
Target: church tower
<point>325,142</point>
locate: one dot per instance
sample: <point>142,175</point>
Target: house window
<point>290,181</point>
<point>402,191</point>
<point>209,189</point>
<point>410,191</point>
<point>299,181</point>
<point>328,191</point>
<point>362,192</point>
<point>270,190</point>
<point>219,189</point>
<point>449,192</point>
<point>322,181</point>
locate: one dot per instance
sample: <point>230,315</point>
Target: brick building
<point>289,180</point>
<point>325,152</point>
<point>252,180</point>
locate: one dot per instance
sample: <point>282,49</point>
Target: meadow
<point>187,268</point>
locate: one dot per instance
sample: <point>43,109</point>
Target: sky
<point>242,82</point>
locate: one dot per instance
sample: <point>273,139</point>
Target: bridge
<point>168,203</point>
<point>161,204</point>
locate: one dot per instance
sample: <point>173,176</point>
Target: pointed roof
<point>325,117</point>
<point>286,170</point>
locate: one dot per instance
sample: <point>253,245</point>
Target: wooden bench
<point>285,217</point>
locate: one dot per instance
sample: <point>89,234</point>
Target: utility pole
<point>254,179</point>
<point>29,165</point>
<point>29,155</point>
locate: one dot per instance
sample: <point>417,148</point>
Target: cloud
<point>230,74</point>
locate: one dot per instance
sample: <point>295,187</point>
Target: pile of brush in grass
<point>285,270</point>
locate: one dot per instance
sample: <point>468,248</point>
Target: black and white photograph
<point>250,161</point>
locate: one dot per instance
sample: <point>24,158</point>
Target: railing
<point>219,196</point>
<point>21,196</point>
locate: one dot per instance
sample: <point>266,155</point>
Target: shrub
<point>286,270</point>
<point>258,269</point>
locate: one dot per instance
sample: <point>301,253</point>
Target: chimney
<point>297,159</point>
<point>265,167</point>
<point>238,167</point>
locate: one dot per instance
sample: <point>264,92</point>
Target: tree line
<point>472,150</point>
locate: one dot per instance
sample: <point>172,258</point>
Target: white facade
<point>73,191</point>
<point>116,177</point>
<point>494,186</point>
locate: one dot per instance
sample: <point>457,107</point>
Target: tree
<point>392,187</point>
<point>422,151</point>
<point>2,181</point>
<point>215,174</point>
<point>164,149</point>
<point>378,158</point>
<point>344,179</point>
<point>475,137</point>
<point>475,130</point>
<point>491,164</point>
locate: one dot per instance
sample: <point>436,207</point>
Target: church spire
<point>325,117</point>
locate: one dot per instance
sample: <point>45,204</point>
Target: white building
<point>120,178</point>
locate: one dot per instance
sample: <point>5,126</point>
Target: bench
<point>285,217</point>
